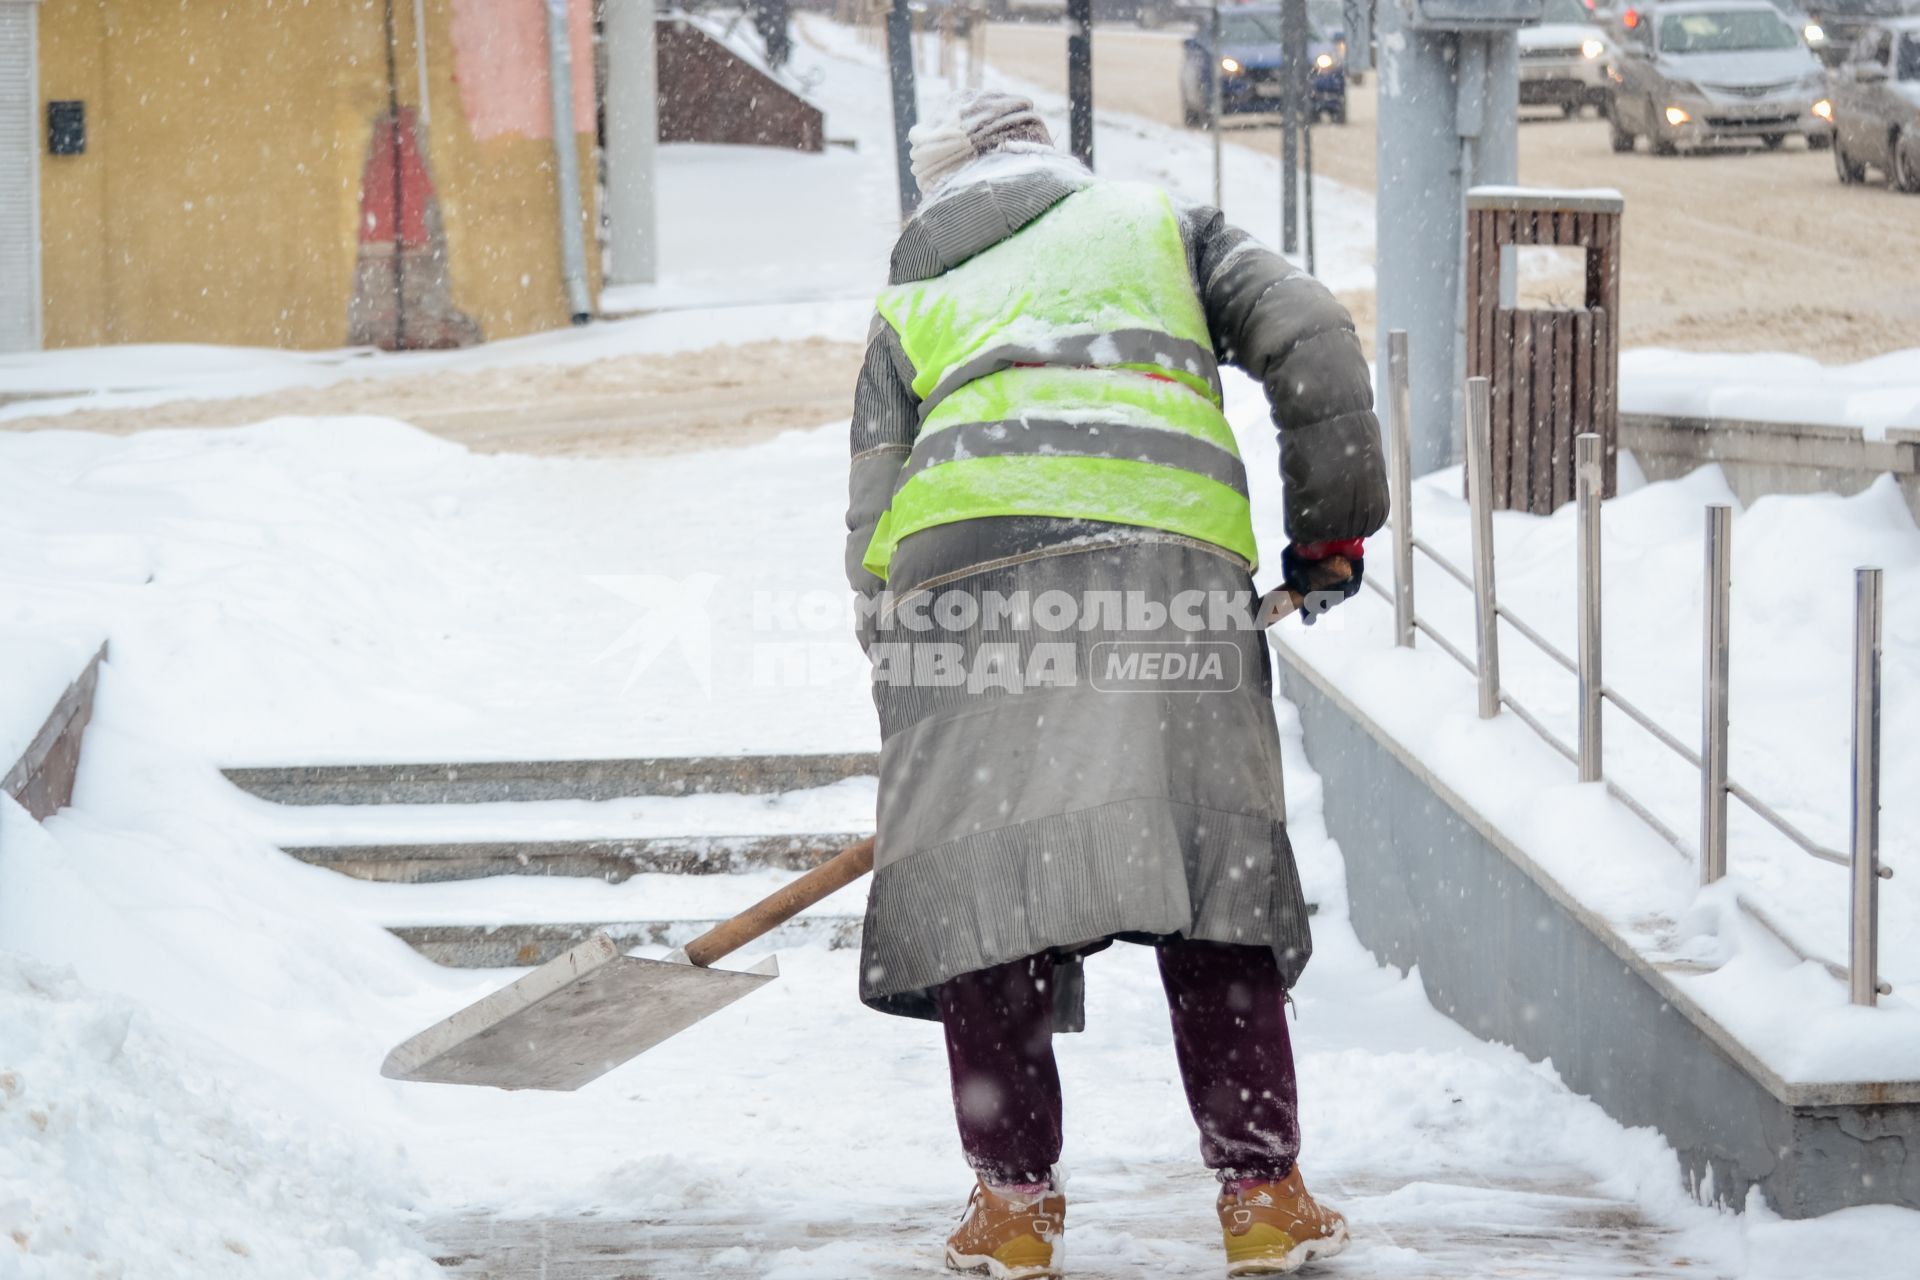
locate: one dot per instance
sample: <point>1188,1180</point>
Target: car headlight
<point>1593,48</point>
<point>1824,109</point>
<point>1677,116</point>
<point>1815,33</point>
<point>1230,65</point>
<point>1324,62</point>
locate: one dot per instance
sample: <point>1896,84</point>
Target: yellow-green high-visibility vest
<point>1067,371</point>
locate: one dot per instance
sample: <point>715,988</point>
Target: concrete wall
<point>220,196</point>
<point>1773,457</point>
<point>1506,952</point>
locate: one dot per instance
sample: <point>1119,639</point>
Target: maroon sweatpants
<point>1229,1033</point>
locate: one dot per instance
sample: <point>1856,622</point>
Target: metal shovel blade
<point>572,1020</point>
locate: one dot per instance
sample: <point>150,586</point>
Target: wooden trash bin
<point>1554,372</point>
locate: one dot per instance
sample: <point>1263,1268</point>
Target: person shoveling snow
<point>1052,543</point>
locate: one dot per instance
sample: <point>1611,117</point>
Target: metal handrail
<point>1534,723</point>
<point>1867,871</point>
<point>1459,575</point>
<point>1653,727</point>
<point>1539,641</point>
<point>1787,829</point>
<point>1648,723</point>
<point>1505,614</point>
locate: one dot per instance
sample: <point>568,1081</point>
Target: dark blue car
<point>1248,64</point>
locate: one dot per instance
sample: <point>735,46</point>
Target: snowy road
<point>1730,251</point>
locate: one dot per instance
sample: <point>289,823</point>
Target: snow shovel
<point>583,1013</point>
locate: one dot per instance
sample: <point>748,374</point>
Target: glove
<point>1323,574</point>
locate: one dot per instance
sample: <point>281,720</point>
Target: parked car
<point>1248,64</point>
<point>1876,106</point>
<point>1708,70</point>
<point>1563,60</point>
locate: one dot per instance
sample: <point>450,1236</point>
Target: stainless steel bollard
<point>1400,451</point>
<point>1587,481</point>
<point>1480,495</point>
<point>1713,694</point>
<point>1864,935</point>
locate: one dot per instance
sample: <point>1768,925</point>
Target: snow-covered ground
<point>352,588</point>
<point>126,1153</point>
<point>205,1099</point>
<point>139,376</point>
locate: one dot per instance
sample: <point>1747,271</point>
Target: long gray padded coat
<point>1062,818</point>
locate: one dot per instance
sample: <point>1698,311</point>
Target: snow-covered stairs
<point>611,859</point>
<point>523,780</point>
<point>513,946</point>
<point>507,864</point>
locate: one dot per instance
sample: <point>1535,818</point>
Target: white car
<point>1563,60</point>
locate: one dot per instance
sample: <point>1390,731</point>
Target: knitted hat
<point>974,123</point>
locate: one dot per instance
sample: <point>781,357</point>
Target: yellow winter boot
<point>1009,1236</point>
<point>1275,1228</point>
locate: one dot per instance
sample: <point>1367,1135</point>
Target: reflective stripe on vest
<point>1140,350</point>
<point>1045,439</point>
<point>1067,371</point>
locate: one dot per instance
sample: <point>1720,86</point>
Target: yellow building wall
<point>497,197</point>
<point>219,196</point>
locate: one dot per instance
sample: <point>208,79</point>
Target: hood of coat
<point>981,205</point>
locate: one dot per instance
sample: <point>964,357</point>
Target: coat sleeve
<point>886,420</point>
<point>1283,327</point>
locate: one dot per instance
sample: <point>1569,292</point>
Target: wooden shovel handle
<point>783,904</point>
<point>1276,605</point>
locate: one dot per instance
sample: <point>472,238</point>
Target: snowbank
<point>124,1153</point>
<point>1874,395</point>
